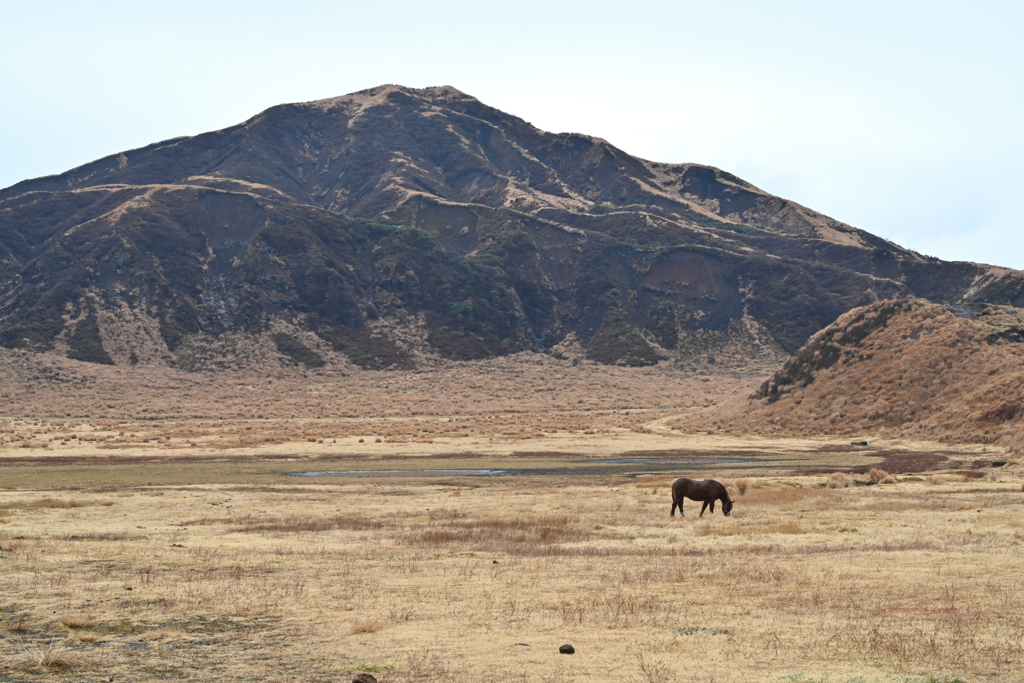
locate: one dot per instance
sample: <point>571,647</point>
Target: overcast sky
<point>900,118</point>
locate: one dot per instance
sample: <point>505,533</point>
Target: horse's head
<point>727,508</point>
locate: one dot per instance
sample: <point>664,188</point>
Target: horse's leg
<point>673,513</point>
<point>712,501</point>
<point>703,508</point>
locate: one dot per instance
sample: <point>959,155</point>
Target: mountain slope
<point>908,368</point>
<point>514,238</point>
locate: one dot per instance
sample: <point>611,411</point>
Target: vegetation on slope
<point>911,368</point>
<point>428,206</point>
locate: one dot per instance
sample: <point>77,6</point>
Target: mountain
<point>397,213</point>
<point>906,368</point>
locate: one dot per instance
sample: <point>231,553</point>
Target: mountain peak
<point>383,93</point>
<point>350,217</point>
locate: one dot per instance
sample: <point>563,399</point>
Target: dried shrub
<point>741,486</point>
<point>105,536</point>
<point>766,496</point>
<point>732,530</point>
<point>43,503</point>
<point>51,657</point>
<point>297,352</point>
<point>838,480</point>
<point>297,523</point>
<point>77,621</point>
<point>888,479</point>
<point>876,475</point>
<point>512,535</point>
<point>366,626</point>
<point>428,666</point>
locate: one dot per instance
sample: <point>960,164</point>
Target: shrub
<point>296,351</point>
<point>77,621</point>
<point>876,475</point>
<point>838,480</point>
<point>51,657</point>
<point>366,626</point>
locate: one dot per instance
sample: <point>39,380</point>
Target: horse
<point>708,491</point>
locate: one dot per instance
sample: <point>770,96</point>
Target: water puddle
<point>401,473</point>
<point>629,467</point>
<point>715,462</point>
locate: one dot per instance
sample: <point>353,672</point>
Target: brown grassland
<point>172,545</point>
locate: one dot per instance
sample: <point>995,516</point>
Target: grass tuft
<point>51,657</point>
<point>73,621</point>
<point>367,626</point>
<point>877,475</point>
<point>370,665</point>
<point>838,480</point>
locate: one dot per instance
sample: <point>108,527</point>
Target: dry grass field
<point>482,579</point>
<point>172,545</point>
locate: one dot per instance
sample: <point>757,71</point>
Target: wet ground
<point>620,467</point>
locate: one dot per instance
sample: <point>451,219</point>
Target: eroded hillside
<point>910,368</point>
<point>395,211</point>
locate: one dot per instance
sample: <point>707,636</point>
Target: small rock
<point>363,678</point>
<point>496,562</point>
<point>567,649</point>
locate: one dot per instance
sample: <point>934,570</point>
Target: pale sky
<point>900,118</point>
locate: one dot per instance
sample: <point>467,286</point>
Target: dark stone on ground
<point>567,649</point>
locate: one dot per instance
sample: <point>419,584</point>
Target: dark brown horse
<point>708,491</point>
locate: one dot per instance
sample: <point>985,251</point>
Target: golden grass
<point>51,657</point>
<point>366,626</point>
<point>77,621</point>
<point>411,582</point>
<point>838,480</point>
<point>156,409</point>
<point>42,503</point>
<point>752,529</point>
<point>155,536</point>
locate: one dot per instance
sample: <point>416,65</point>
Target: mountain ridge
<point>427,203</point>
